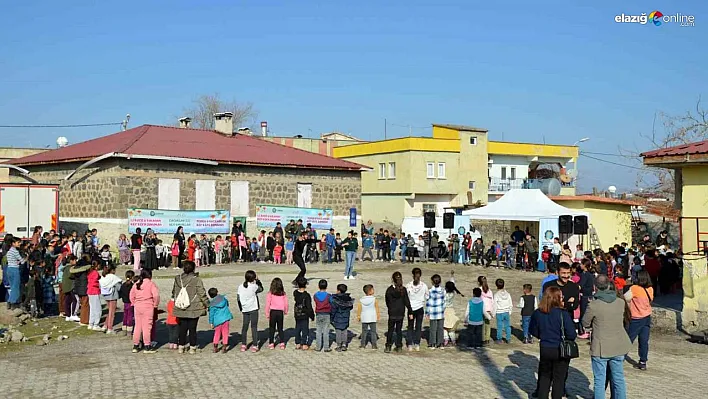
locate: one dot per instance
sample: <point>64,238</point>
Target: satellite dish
<point>612,189</point>
<point>62,142</point>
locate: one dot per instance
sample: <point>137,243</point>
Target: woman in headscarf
<point>181,243</point>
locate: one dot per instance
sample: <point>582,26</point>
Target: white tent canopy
<point>522,205</point>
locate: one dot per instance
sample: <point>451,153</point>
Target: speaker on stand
<point>448,220</point>
<point>580,227</point>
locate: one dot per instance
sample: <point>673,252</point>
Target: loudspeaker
<point>565,224</point>
<point>429,220</point>
<point>580,225</point>
<point>448,220</point>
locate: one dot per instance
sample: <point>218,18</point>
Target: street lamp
<point>584,139</point>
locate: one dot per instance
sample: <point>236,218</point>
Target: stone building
<point>161,167</point>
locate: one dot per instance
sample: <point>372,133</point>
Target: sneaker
<point>346,277</point>
<point>387,349</point>
<point>271,346</point>
<point>305,348</point>
<point>352,278</point>
<point>641,366</point>
<point>150,349</point>
<point>192,351</point>
<point>216,348</point>
<point>180,349</point>
<point>417,348</point>
<point>282,345</point>
<point>75,318</point>
<point>243,348</point>
<point>339,349</point>
<point>298,346</point>
<point>68,319</point>
<point>327,350</point>
<point>110,332</point>
<point>410,348</point>
<point>432,348</point>
<point>254,348</point>
<point>102,329</point>
<point>135,349</point>
<point>374,347</point>
<point>499,342</point>
<point>344,348</point>
<point>441,347</point>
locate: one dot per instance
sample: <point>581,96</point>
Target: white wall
<point>415,207</point>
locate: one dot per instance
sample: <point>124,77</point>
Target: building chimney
<point>185,122</point>
<point>224,123</point>
<point>264,128</point>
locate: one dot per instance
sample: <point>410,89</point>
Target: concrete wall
<point>472,166</point>
<point>383,208</point>
<point>613,222</point>
<point>7,154</point>
<point>371,183</point>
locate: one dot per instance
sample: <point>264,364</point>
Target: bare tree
<point>205,106</point>
<point>673,130</point>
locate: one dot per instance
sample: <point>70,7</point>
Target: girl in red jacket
<point>93,290</point>
<point>192,247</point>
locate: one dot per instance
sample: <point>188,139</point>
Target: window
<point>503,172</point>
<point>168,194</point>
<point>471,185</point>
<point>429,208</point>
<point>513,173</point>
<point>473,140</point>
<point>239,198</point>
<point>206,195</point>
<point>391,170</point>
<point>431,170</point>
<point>441,170</point>
<point>382,171</point>
<point>304,195</point>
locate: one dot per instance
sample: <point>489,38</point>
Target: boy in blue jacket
<point>219,316</point>
<point>330,242</point>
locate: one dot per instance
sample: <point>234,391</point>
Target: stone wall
<point>108,189</point>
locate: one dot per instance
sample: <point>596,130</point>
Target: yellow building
<point>610,217</point>
<point>454,168</point>
<point>690,165</point>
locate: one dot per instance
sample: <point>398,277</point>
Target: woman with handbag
<point>555,330</point>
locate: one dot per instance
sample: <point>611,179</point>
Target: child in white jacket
<point>503,304</point>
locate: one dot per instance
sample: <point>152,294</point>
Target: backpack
<point>182,301</point>
<point>301,311</point>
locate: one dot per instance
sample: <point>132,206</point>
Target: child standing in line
<point>219,317</point>
<point>146,298</point>
<point>368,314</point>
<point>197,254</point>
<point>323,309</point>
<point>323,249</point>
<point>278,253</point>
<point>248,304</point>
<point>397,302</point>
<point>93,290</point>
<point>276,309</point>
<point>338,248</point>
<point>218,246</point>
<point>128,318</point>
<point>488,298</point>
<point>289,248</point>
<point>191,247</point>
<point>435,311</point>
<point>342,305</point>
<point>394,245</point>
<point>48,291</point>
<point>242,246</point>
<point>528,303</point>
<point>303,314</point>
<point>175,254</point>
<point>503,306</point>
<point>110,289</point>
<point>172,328</point>
<point>476,317</point>
<point>254,250</point>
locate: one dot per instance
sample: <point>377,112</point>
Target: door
<point>14,206</point>
<point>42,208</point>
<point>304,195</point>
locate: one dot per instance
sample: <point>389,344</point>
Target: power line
<point>610,155</point>
<point>62,126</point>
<point>612,163</point>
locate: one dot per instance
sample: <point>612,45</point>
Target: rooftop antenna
<point>124,124</point>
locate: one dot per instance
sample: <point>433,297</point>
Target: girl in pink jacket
<point>145,298</point>
<point>276,309</point>
<point>488,299</point>
<point>93,290</point>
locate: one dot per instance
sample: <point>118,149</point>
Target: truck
<point>25,206</point>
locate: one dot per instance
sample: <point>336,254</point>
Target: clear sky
<point>528,71</point>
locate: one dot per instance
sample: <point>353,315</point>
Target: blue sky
<point>555,71</point>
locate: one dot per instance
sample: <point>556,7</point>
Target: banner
<point>166,222</point>
<point>548,230</point>
<point>269,215</point>
<point>352,217</point>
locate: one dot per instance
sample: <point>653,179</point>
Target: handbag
<point>568,348</point>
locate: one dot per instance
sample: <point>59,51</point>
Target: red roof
<point>176,142</point>
<point>700,147</point>
<point>593,198</point>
